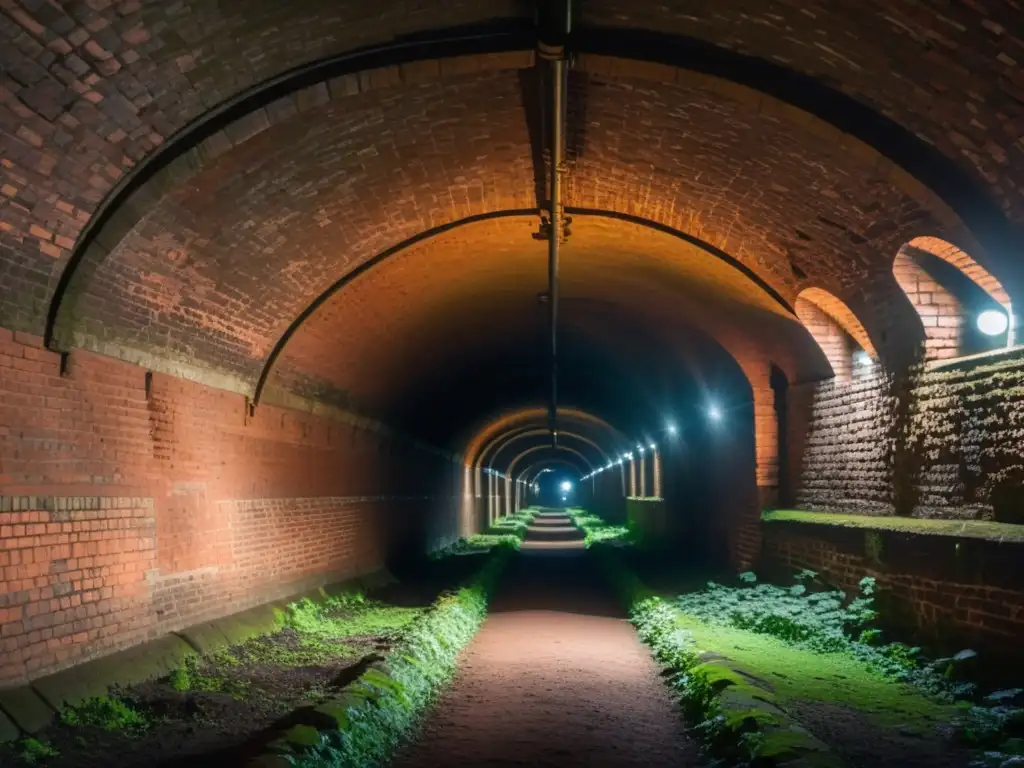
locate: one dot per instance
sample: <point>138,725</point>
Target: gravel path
<point>555,677</point>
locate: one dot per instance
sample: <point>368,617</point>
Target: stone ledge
<point>967,529</point>
<point>30,708</point>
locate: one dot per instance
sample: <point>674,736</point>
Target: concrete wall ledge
<point>968,529</point>
<point>31,707</point>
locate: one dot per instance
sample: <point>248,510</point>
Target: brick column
<point>656,464</point>
<point>766,440</point>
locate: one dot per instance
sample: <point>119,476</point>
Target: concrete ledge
<point>25,708</point>
<point>30,708</point>
<point>8,730</point>
<point>150,660</point>
<point>968,529</point>
<point>235,629</point>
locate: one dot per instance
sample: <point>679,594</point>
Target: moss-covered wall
<point>945,442</point>
<point>948,592</point>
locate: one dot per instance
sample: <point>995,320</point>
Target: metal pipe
<point>554,240</point>
<point>555,26</point>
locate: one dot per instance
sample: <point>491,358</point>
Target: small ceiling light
<point>863,359</point>
<point>640,448</point>
<point>672,428</point>
<point>619,461</point>
<point>992,322</point>
<point>713,413</point>
<point>629,456</point>
<point>653,447</point>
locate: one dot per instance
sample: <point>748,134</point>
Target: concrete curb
<point>30,708</point>
<point>8,730</point>
<point>24,708</point>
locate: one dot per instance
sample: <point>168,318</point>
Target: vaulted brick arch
<point>835,328</point>
<point>943,314</point>
<point>248,126</point>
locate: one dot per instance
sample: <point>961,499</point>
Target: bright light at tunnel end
<point>566,486</point>
<point>714,413</point>
<point>992,322</point>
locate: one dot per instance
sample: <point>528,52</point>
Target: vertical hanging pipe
<point>554,25</point>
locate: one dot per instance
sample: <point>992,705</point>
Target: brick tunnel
<point>278,313</point>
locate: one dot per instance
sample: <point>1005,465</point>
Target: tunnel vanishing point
<point>291,290</point>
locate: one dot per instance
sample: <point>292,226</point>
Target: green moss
<point>382,707</point>
<point>34,751</point>
<point>107,712</point>
<point>795,674</point>
<point>975,529</point>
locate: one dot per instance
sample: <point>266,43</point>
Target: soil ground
<point>555,677</point>
<point>255,692</point>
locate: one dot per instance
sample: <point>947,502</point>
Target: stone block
<point>26,709</point>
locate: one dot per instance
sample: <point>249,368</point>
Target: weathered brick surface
<point>225,262</point>
<point>950,447</point>
<point>843,433</point>
<point>950,593</point>
<point>132,505</point>
<point>716,168</point>
<point>372,344</point>
<point>73,577</point>
<point>953,74</point>
<point>88,90</point>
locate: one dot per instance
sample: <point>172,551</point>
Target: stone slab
<point>95,678</point>
<point>24,707</point>
<point>212,636</point>
<point>8,730</point>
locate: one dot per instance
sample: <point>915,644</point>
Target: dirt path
<point>555,677</point>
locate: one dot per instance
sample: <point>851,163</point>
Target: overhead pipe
<point>554,26</point>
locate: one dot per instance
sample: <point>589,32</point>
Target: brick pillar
<point>643,474</point>
<point>766,440</point>
<point>940,311</point>
<point>656,469</point>
<point>632,477</point>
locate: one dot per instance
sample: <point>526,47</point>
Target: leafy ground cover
<point>213,704</point>
<point>505,531</point>
<point>223,708</point>
<point>384,706</point>
<point>768,673</point>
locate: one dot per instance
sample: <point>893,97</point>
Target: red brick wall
<point>839,448</point>
<point>950,446</point>
<point>940,311</point>
<point>947,592</point>
<point>129,508</point>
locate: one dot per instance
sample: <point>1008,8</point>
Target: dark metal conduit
<point>554,32</point>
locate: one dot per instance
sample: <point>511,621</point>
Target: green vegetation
<point>379,710</point>
<point>34,751</point>
<point>824,621</point>
<point>979,529</point>
<point>507,531</point>
<point>595,530</point>
<point>107,712</point>
<point>742,662</point>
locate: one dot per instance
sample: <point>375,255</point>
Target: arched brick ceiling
<point>478,441</point>
<point>100,85</point>
<point>248,230</point>
<point>225,262</point>
<point>440,314</point>
<point>744,180</point>
<point>216,271</point>
<point>951,73</point>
